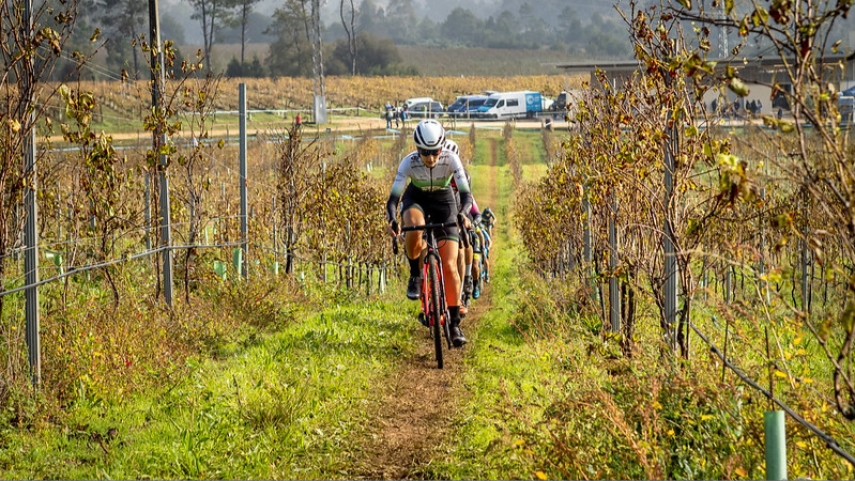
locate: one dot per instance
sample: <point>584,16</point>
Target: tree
<point>291,53</point>
<point>124,21</point>
<point>401,18</point>
<point>212,14</point>
<point>349,25</point>
<point>244,9</point>
<point>814,164</point>
<point>24,108</point>
<point>372,18</point>
<point>462,26</point>
<point>378,56</point>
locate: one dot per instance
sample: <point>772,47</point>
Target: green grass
<point>285,408</point>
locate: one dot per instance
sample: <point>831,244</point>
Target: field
<point>434,62</point>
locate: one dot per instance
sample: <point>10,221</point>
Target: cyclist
<point>489,219</point>
<point>465,256</point>
<point>481,242</point>
<point>428,193</point>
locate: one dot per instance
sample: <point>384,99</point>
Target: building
<point>757,73</point>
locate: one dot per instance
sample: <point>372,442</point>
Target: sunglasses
<point>428,153</point>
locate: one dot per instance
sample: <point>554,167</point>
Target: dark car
<point>426,110</point>
<point>465,106</point>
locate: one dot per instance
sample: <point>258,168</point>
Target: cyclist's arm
<point>397,190</point>
<point>474,211</point>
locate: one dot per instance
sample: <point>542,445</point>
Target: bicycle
<point>434,313</point>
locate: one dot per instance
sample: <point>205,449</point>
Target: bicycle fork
<point>426,287</point>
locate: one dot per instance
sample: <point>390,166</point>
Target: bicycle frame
<point>442,317</point>
<point>438,321</point>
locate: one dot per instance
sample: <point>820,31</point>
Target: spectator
<point>389,115</point>
<point>397,116</point>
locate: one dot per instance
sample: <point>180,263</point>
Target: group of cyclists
<point>431,183</point>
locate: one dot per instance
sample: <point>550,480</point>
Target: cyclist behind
<point>465,256</point>
<point>489,219</point>
<point>481,245</point>
<point>428,194</point>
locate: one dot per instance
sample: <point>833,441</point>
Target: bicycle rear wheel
<point>436,309</point>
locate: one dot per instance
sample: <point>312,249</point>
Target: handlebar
<point>455,223</point>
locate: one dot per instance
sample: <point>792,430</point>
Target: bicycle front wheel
<point>437,309</point>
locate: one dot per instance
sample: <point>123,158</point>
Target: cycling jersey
<point>436,180</point>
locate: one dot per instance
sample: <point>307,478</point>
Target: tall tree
<point>402,18</point>
<point>244,9</point>
<point>124,21</point>
<point>291,53</point>
<point>349,24</point>
<point>212,14</point>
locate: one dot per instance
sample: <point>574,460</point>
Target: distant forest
<point>358,37</point>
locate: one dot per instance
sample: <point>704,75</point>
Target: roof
<point>770,61</point>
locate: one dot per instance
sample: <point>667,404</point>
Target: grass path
<point>422,406</point>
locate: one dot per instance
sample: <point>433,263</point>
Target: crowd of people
<point>431,183</point>
<point>735,109</point>
<point>398,115</point>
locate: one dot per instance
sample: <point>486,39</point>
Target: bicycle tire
<point>436,309</point>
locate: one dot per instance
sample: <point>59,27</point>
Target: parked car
<point>465,105</point>
<point>426,110</point>
<point>416,100</point>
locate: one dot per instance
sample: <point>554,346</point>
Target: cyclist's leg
<point>449,250</point>
<point>414,248</point>
<point>476,266</point>
<point>415,242</point>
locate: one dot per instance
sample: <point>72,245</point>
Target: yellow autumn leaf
<point>780,374</point>
<point>706,417</point>
<point>740,472</point>
<point>14,125</point>
<point>801,444</point>
<point>540,475</point>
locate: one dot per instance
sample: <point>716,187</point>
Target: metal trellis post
<point>669,248</point>
<point>244,203</point>
<point>31,230</point>
<point>158,77</point>
<point>614,285</point>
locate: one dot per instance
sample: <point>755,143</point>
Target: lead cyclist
<point>423,183</point>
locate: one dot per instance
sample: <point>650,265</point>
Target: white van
<point>512,105</point>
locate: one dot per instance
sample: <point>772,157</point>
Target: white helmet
<point>429,135</point>
<point>452,146</point>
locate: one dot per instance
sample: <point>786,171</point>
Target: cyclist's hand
<point>393,230</point>
<point>467,224</point>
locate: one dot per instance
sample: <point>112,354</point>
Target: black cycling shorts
<point>438,207</point>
